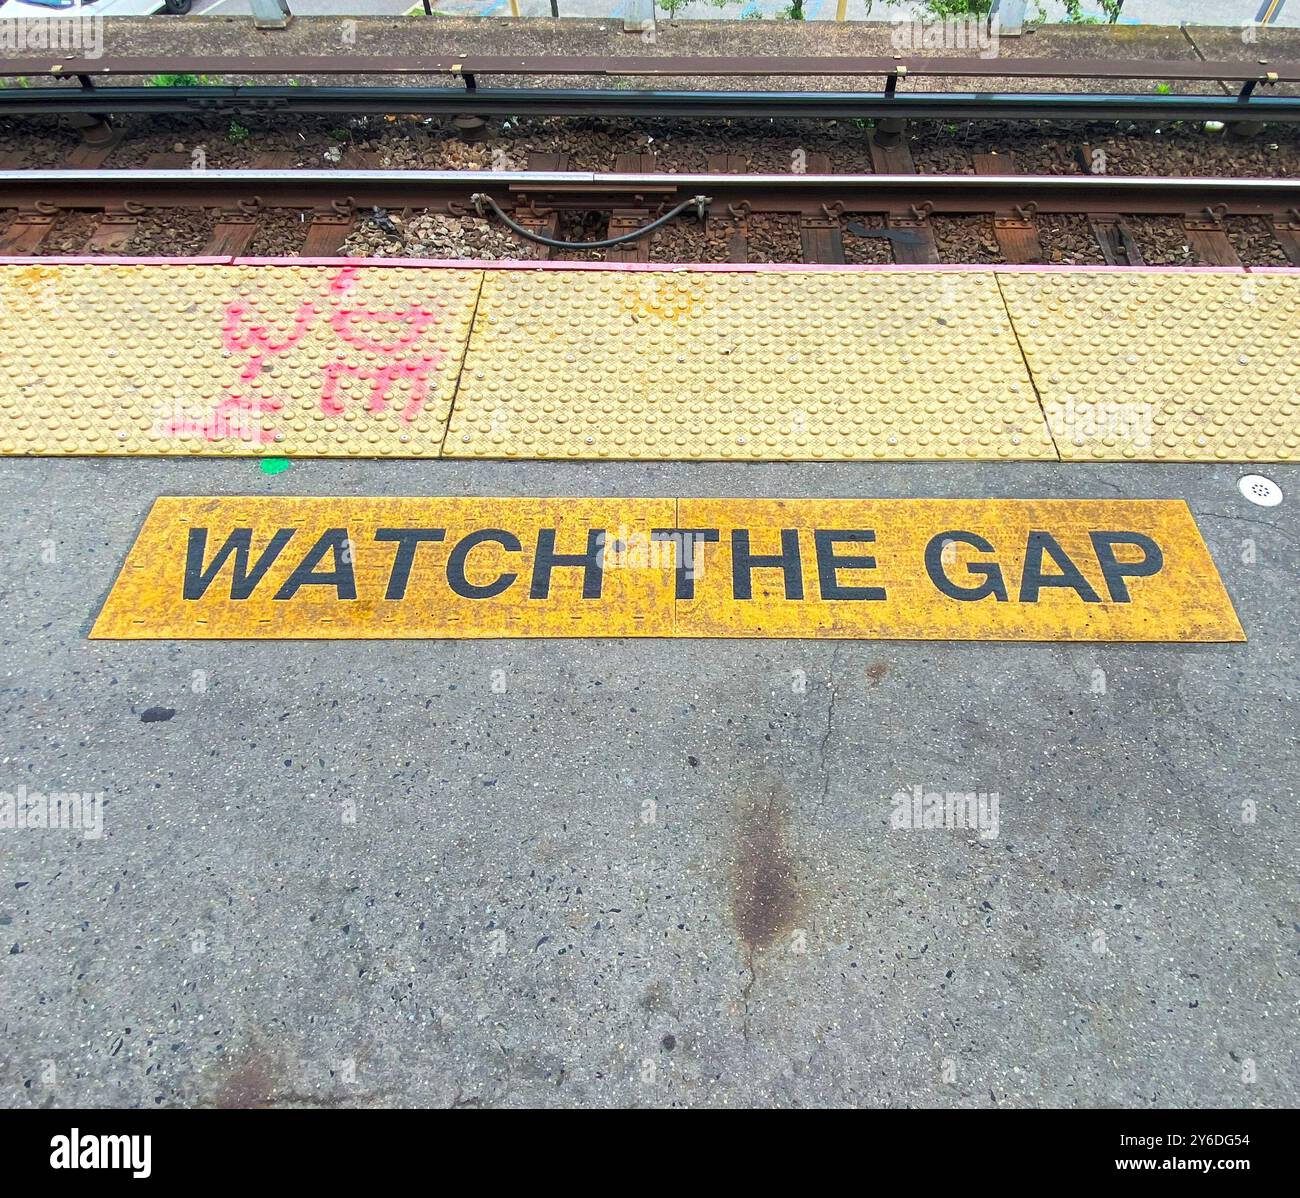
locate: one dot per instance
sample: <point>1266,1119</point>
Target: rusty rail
<point>452,191</point>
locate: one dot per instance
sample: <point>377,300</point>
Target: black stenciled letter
<point>456,564</point>
<point>1114,572</point>
<point>591,562</point>
<point>993,583</point>
<point>408,541</point>
<point>829,564</point>
<point>333,540</point>
<point>1034,579</point>
<point>242,583</point>
<point>684,539</point>
<point>743,563</point>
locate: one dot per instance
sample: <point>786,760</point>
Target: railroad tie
<point>329,227</point>
<point>1209,240</point>
<point>1115,239</point>
<point>235,229</point>
<point>729,228</point>
<point>628,220</point>
<point>891,157</point>
<point>820,237</point>
<point>1286,228</point>
<point>1014,228</point>
<point>545,223</point>
<point>918,248</point>
<point>29,226</point>
<point>117,226</point>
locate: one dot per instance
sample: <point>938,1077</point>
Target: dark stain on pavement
<point>250,1082</point>
<point>765,896</point>
<point>876,673</point>
<point>256,1079</point>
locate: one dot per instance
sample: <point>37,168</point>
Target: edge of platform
<point>653,267</point>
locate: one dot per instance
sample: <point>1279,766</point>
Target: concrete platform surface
<point>644,873</point>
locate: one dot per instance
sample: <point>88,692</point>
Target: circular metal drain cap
<point>1260,490</point>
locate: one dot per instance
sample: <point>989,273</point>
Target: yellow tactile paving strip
<point>315,361</point>
<point>1177,367</point>
<point>767,366</point>
<point>377,361</point>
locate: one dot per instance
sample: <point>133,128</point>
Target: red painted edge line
<point>658,267</point>
<point>721,267</point>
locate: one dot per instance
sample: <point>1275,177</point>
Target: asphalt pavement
<point>613,872</point>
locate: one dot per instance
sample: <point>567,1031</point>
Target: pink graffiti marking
<point>392,336</point>
<point>412,323</point>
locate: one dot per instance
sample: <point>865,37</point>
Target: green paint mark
<point>275,465</point>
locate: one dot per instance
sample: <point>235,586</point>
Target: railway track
<point>894,205</point>
<point>898,208</point>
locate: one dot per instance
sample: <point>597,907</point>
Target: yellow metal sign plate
<point>1042,570</point>
<point>938,569</point>
<point>1200,366</point>
<point>340,361</point>
<point>767,366</point>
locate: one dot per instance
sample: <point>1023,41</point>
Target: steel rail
<point>349,190</point>
<point>615,102</point>
<point>467,67</point>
